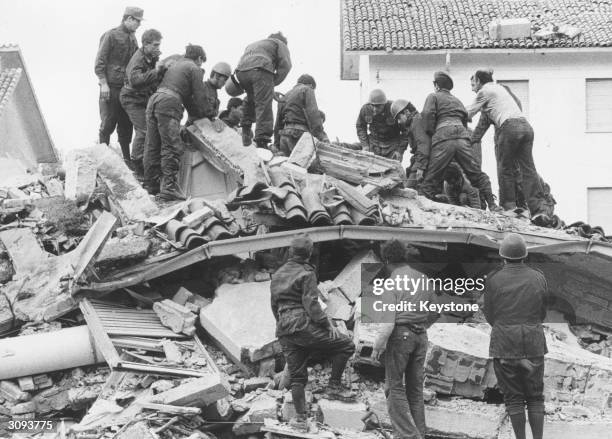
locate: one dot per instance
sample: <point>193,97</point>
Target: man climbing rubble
<point>377,129</point>
<point>303,327</point>
<point>182,86</point>
<point>117,46</point>
<point>411,124</point>
<point>264,65</point>
<point>515,306</point>
<point>445,119</point>
<point>143,75</point>
<point>298,113</point>
<point>514,137</point>
<point>403,338</point>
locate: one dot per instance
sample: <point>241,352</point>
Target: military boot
<point>493,207</point>
<point>170,190</point>
<point>336,392</point>
<point>247,135</point>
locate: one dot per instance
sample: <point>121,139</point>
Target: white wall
<point>567,157</point>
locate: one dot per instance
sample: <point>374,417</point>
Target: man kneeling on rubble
<point>303,327</point>
<point>404,342</point>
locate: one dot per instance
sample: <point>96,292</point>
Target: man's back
<point>497,103</point>
<point>270,54</point>
<point>183,77</point>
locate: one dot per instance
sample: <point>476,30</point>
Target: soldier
<point>302,327</point>
<point>298,113</point>
<point>182,87</point>
<point>457,189</point>
<point>514,137</point>
<point>264,64</point>
<point>377,129</point>
<point>445,119</point>
<point>232,113</point>
<point>515,306</point>
<point>117,46</point>
<point>210,107</point>
<point>142,79</point>
<point>411,124</point>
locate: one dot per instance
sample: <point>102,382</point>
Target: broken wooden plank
<point>92,244</point>
<point>170,409</point>
<point>103,342</point>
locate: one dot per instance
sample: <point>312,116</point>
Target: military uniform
<point>117,46</point>
<point>264,64</point>
<point>182,86</point>
<point>142,79</point>
<point>445,119</point>
<point>380,133</point>
<point>298,113</point>
<point>420,146</point>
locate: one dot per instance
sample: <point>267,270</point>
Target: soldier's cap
<point>443,80</point>
<point>301,246</point>
<point>135,12</point>
<point>307,79</point>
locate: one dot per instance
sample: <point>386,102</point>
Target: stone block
<point>175,316</point>
<point>182,296</point>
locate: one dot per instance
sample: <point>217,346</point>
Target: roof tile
<point>8,82</point>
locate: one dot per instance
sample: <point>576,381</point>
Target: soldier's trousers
<point>443,152</point>
<point>257,106</point>
<point>112,115</point>
<point>138,116</point>
<point>163,147</point>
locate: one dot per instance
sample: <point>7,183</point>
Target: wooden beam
<point>100,336</point>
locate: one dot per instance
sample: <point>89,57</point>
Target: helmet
<point>398,106</point>
<point>222,68</point>
<point>377,97</point>
<point>232,87</point>
<point>513,247</point>
<point>307,79</point>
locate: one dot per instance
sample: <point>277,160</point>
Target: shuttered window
<point>599,203</point>
<point>599,105</point>
<point>521,91</point>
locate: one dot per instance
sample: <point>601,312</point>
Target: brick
<point>26,384</point>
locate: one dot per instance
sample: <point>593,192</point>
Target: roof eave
<point>539,50</point>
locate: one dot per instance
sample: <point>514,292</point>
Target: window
<point>599,105</point>
<point>521,91</point>
<point>599,205</point>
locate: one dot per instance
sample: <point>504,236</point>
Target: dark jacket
<point>382,127</point>
<point>420,143</point>
<point>515,306</point>
<point>230,120</point>
<point>142,79</point>
<point>299,107</point>
<point>117,46</point>
<point>294,297</point>
<point>186,78</point>
<point>271,55</point>
<point>210,104</point>
<point>466,195</point>
<point>441,107</point>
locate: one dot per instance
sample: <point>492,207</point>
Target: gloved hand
<point>104,92</point>
<point>218,125</point>
<point>419,175</point>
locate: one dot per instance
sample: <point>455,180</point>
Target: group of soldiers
<point>446,156</point>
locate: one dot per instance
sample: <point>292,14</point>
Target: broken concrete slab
<point>122,252</point>
<point>343,415</point>
<point>81,173</point>
<point>233,331</point>
<point>565,429</point>
<point>23,249</point>
<point>176,317</point>
<point>350,279</point>
<point>262,407</point>
<point>252,384</point>
<point>198,392</point>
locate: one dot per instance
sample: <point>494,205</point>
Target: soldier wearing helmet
<point>411,125</point>
<point>515,306</point>
<point>210,105</point>
<point>377,130</point>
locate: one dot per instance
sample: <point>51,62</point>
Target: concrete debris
<point>197,392</point>
<point>176,317</point>
<point>81,173</point>
<point>263,407</point>
<point>343,415</point>
<point>23,249</point>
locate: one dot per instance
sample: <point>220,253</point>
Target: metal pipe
<point>47,352</point>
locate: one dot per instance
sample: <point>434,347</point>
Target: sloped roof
<point>8,82</point>
<point>463,24</point>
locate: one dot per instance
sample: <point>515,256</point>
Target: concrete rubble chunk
<point>122,252</point>
<point>255,383</point>
<point>197,392</point>
<point>139,430</point>
<point>233,331</point>
<point>172,351</point>
<point>343,415</point>
<point>349,280</point>
<point>263,407</point>
<point>23,249</point>
<point>11,392</point>
<point>176,317</point>
<point>81,173</point>
<point>23,408</point>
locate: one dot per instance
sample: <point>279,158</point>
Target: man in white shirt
<point>514,137</point>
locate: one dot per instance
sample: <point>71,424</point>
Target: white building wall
<point>569,158</point>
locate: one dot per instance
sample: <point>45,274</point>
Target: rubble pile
<point>162,312</point>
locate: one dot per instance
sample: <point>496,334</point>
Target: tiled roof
<point>463,24</point>
<point>8,81</point>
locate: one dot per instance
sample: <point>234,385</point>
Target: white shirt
<point>495,101</point>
